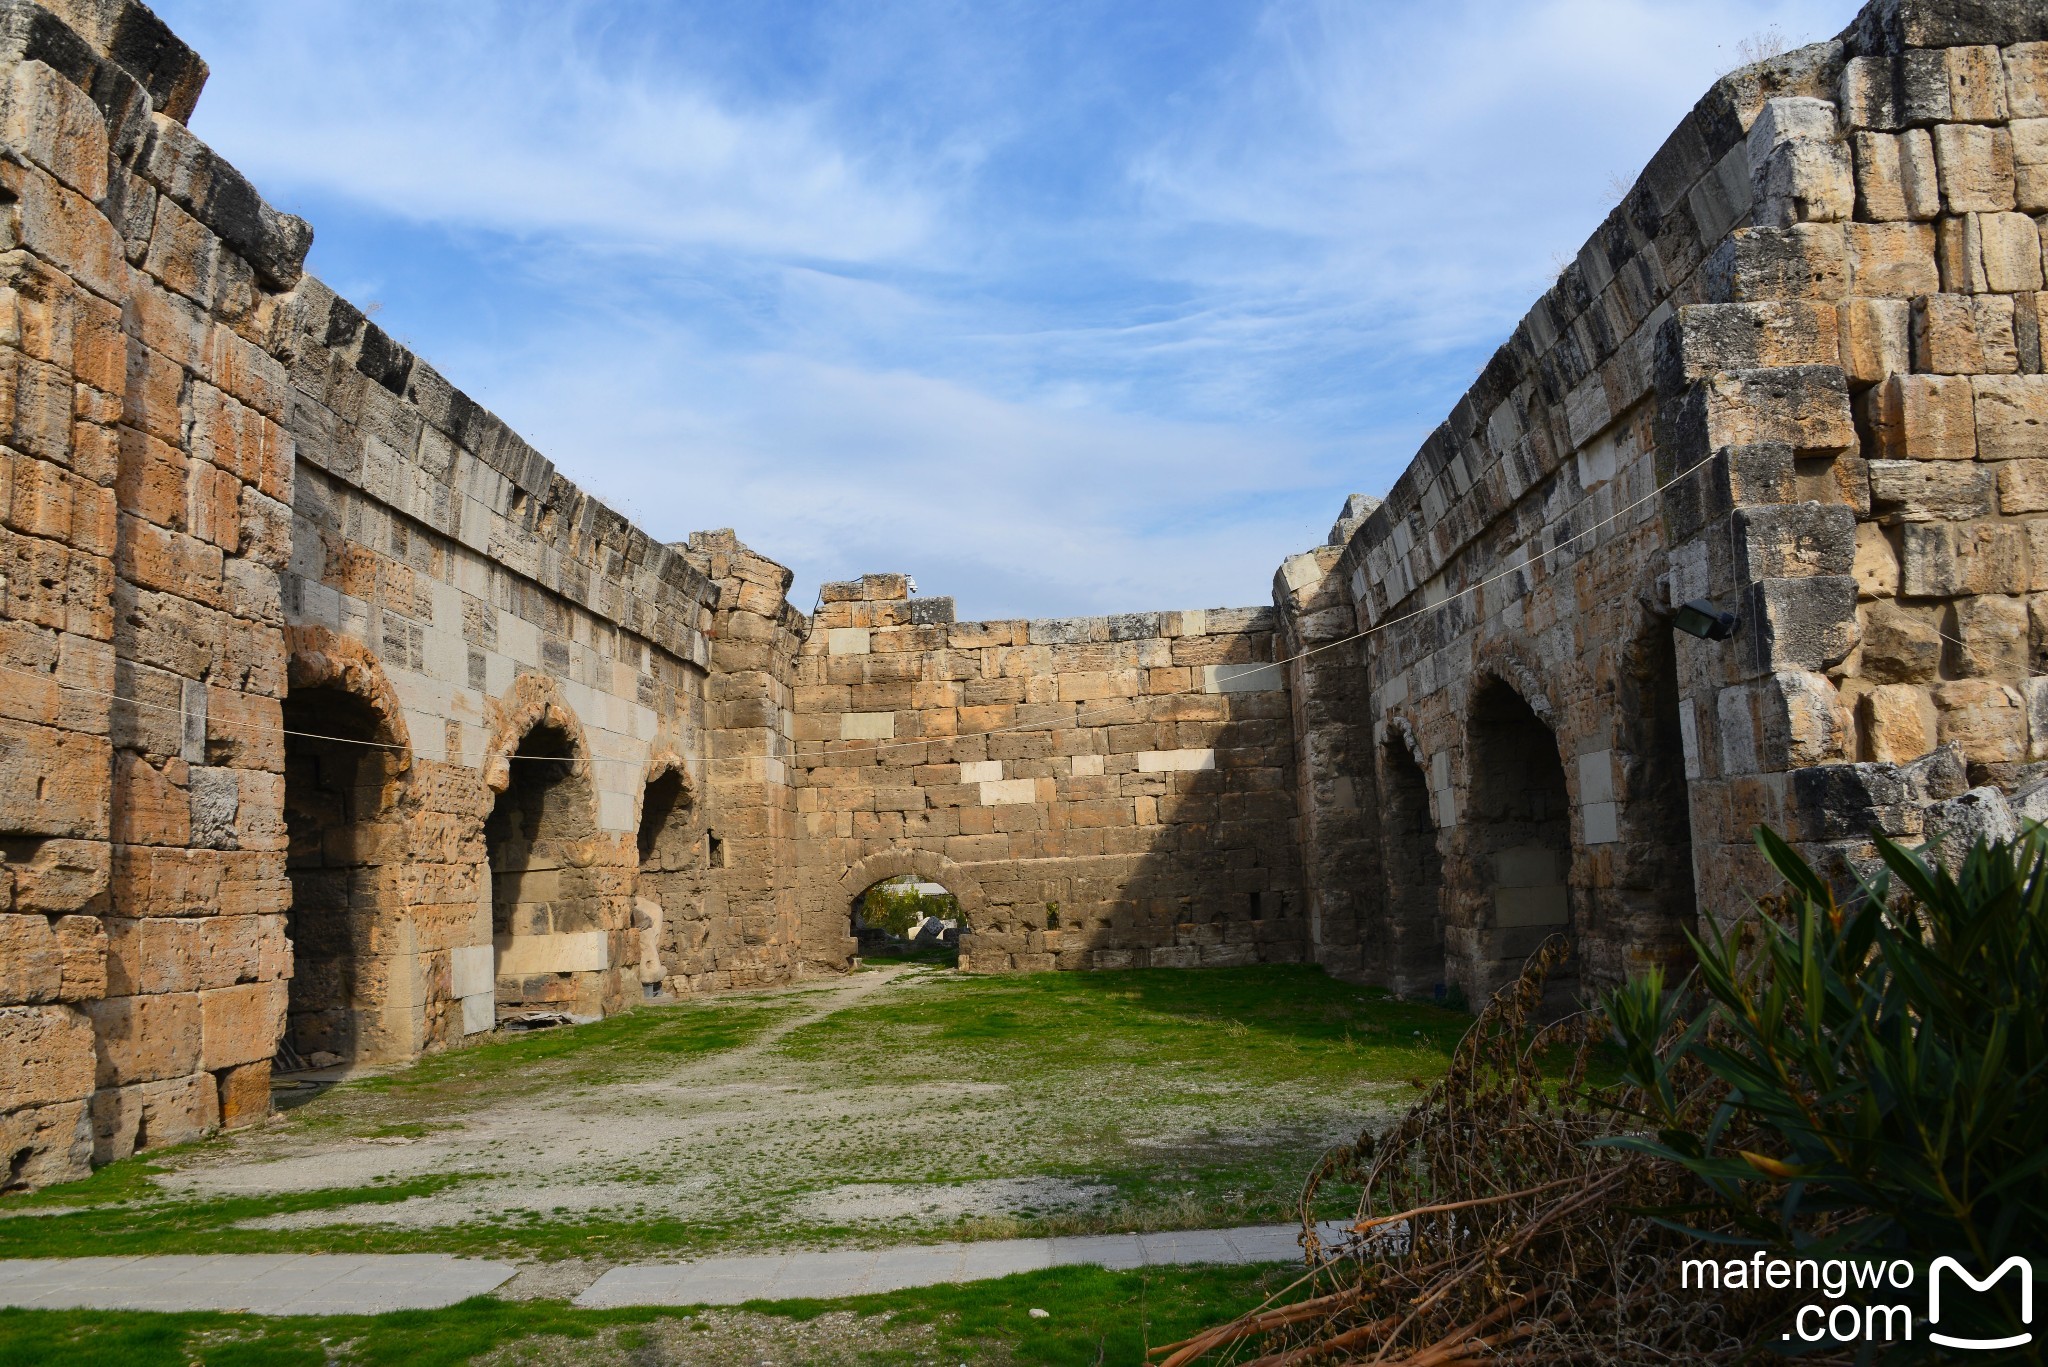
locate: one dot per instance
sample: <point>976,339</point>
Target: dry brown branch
<point>1499,1233</point>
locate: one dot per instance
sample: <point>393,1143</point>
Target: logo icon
<point>2026,1270</point>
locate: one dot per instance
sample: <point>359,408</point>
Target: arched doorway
<point>1518,836</point>
<point>341,786</point>
<point>546,908</point>
<point>1414,951</point>
<point>908,918</point>
<point>669,885</point>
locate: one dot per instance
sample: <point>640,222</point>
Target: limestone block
<point>1876,339</point>
<point>2011,245</point>
<point>2030,164</point>
<point>1923,491</point>
<point>1805,407</point>
<point>1900,722</point>
<point>1185,760</point>
<point>1900,644</point>
<point>1895,260</point>
<point>1867,94</point>
<point>520,956</point>
<point>1801,180</point>
<point>2034,694</point>
<point>1876,566</point>
<point>1919,175</point>
<point>53,123</point>
<point>2011,411</point>
<point>1986,720</point>
<point>1961,334</point>
<point>1959,252</point>
<point>53,783</point>
<point>47,1144</point>
<point>1009,792</point>
<point>867,726</point>
<point>51,959</point>
<point>1946,559</point>
<point>143,1115</point>
<point>240,1024</point>
<point>1991,637</point>
<point>146,1038</point>
<point>471,970</point>
<point>1801,624</point>
<point>2026,80</point>
<point>46,1055</point>
<point>1976,168</point>
<point>245,1094</point>
<point>982,771</point>
<point>59,877</point>
<point>1976,84</point>
<point>2023,486</point>
<point>479,1012</point>
<point>1880,184</point>
<point>1795,539</point>
<point>1927,417</point>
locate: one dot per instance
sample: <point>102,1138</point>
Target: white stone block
<point>867,726</point>
<point>982,771</point>
<point>583,951</point>
<point>1087,766</point>
<point>1175,761</point>
<point>1689,736</point>
<point>1300,571</point>
<point>615,810</point>
<point>1596,777</point>
<point>847,641</point>
<point>1243,678</point>
<point>1009,792</point>
<point>470,970</point>
<point>1601,822</point>
<point>479,1013</point>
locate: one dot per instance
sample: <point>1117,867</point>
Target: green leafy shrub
<point>1895,1050</point>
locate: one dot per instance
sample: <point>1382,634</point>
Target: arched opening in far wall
<point>1415,877</point>
<point>908,918</point>
<point>1518,837</point>
<point>546,907</point>
<point>342,766</point>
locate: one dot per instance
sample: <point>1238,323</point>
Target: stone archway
<point>347,759</point>
<point>551,918</point>
<point>668,887</point>
<point>1515,838</point>
<point>886,864</point>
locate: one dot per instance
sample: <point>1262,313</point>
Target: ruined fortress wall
<point>1814,319</point>
<point>1099,792</point>
<point>331,711</point>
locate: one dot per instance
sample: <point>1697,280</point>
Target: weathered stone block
<point>1876,566</point>
<point>1876,339</point>
<point>2011,415</point>
<point>1900,644</point>
<point>1795,539</point>
<point>1926,417</point>
<point>1931,490</point>
<point>46,1055</point>
<point>1991,637</point>
<point>1960,334</point>
<point>1986,720</point>
<point>1976,170</point>
<point>1801,624</point>
<point>1899,721</point>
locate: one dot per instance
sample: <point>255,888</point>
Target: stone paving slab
<point>374,1283</point>
<point>787,1276</point>
<point>260,1283</point>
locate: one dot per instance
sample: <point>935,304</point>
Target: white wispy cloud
<point>1061,309</point>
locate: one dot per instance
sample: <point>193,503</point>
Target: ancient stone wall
<point>1099,792</point>
<point>337,726</point>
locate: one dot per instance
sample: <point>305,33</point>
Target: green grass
<point>1093,1316</point>
<point>1195,1097</point>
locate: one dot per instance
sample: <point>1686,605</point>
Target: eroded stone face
<point>337,725</point>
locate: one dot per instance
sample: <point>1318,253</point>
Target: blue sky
<point>1060,306</point>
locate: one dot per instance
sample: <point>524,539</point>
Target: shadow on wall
<point>1517,842</point>
<point>346,839</point>
<point>546,902</point>
<point>1413,951</point>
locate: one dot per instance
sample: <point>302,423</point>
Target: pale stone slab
<point>847,641</point>
<point>1009,792</point>
<point>867,726</point>
<point>1243,678</point>
<point>263,1284</point>
<point>982,771</point>
<point>1175,761</point>
<point>583,951</point>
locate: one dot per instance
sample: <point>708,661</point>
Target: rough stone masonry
<point>337,726</point>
